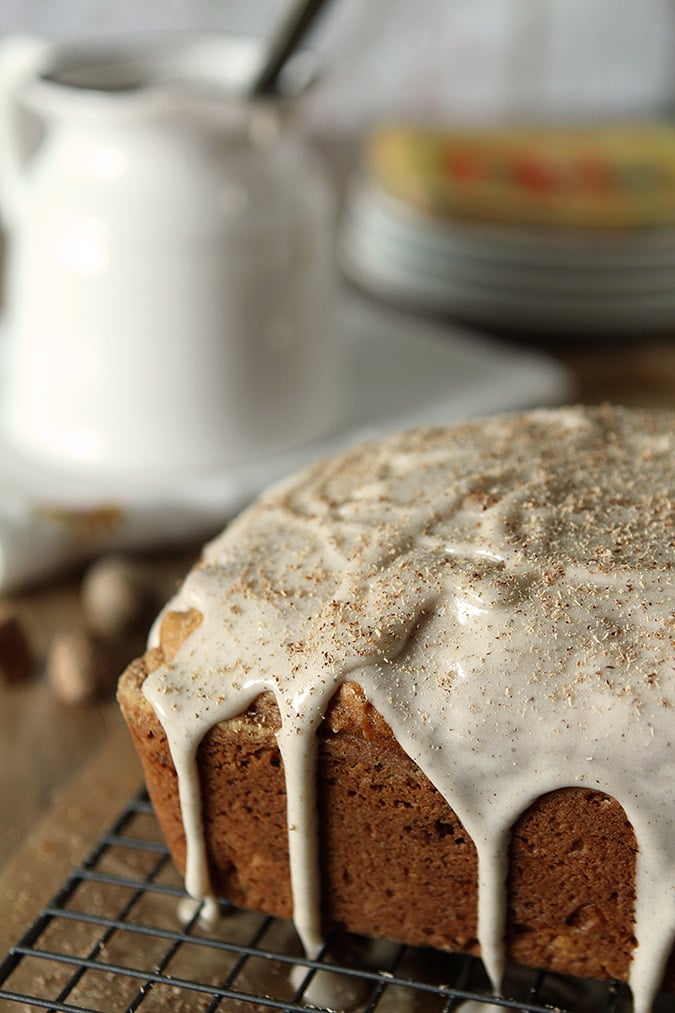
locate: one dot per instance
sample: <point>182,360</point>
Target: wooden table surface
<point>65,771</point>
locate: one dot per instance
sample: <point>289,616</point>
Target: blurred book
<point>565,232</point>
<point>616,176</point>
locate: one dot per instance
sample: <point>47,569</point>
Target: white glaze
<point>503,594</point>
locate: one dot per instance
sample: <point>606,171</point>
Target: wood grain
<point>79,814</point>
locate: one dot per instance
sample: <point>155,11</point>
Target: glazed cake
<point>424,690</point>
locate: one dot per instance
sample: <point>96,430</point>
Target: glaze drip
<point>502,592</point>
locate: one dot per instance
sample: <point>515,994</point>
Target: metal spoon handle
<point>285,41</point>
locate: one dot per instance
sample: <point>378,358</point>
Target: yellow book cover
<point>584,177</point>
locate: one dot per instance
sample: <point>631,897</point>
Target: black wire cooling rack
<point>121,935</point>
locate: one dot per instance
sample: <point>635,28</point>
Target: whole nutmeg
<point>73,667</point>
<point>118,595</point>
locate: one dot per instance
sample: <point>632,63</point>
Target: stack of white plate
<point>611,283</point>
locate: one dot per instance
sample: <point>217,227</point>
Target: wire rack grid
<point>121,935</point>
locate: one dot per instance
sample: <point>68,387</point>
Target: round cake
<point>474,629</point>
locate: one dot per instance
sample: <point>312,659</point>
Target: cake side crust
<point>395,861</point>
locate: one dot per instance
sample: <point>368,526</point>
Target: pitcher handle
<point>21,56</point>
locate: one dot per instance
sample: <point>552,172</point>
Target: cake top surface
<point>502,591</point>
<point>561,524</point>
<point>524,561</point>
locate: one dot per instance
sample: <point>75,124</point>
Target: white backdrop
<point>457,59</point>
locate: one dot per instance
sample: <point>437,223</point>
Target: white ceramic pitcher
<point>169,260</point>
